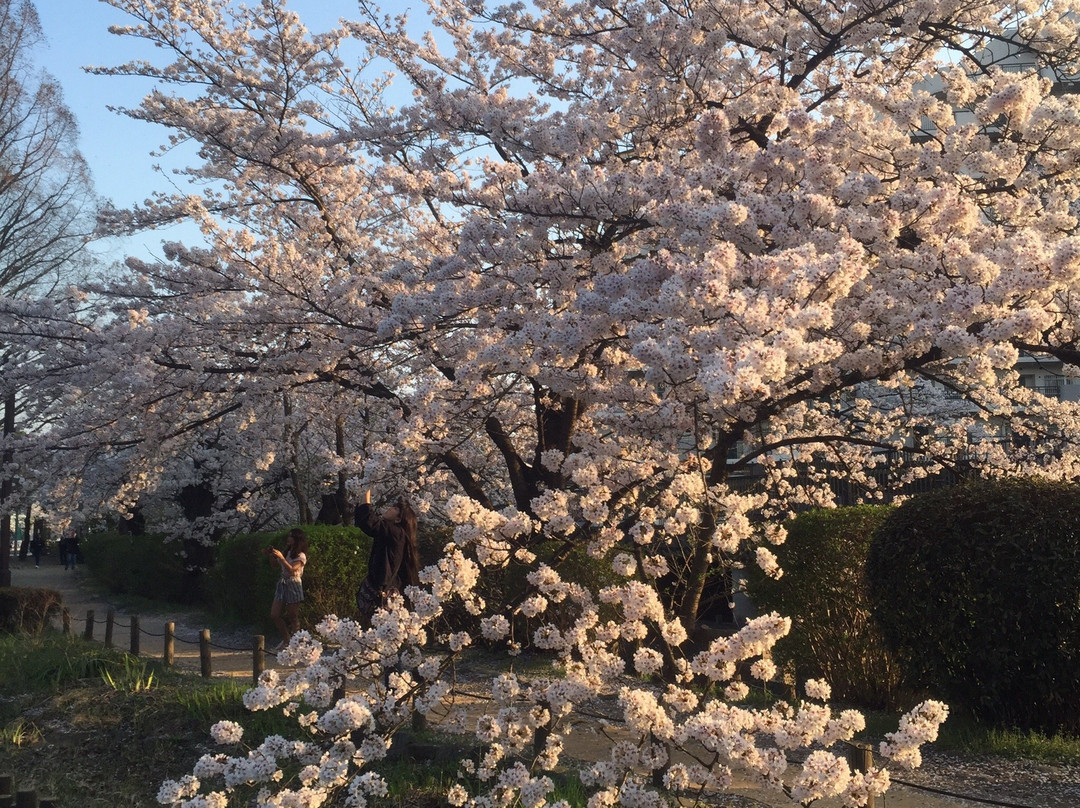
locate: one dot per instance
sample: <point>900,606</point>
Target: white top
<point>298,572</point>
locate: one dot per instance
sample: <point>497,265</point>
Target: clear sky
<point>118,148</point>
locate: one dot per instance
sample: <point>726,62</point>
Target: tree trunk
<point>344,506</point>
<point>701,556</point>
<point>5,496</point>
<point>292,440</point>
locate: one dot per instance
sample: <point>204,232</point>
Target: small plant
<point>134,679</point>
<point>20,732</point>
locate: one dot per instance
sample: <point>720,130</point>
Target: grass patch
<point>418,784</point>
<point>42,662</point>
<point>969,736</point>
<point>97,728</point>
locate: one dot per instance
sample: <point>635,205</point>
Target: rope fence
<point>967,797</point>
<point>168,655</point>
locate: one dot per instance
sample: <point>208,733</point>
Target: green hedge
<point>823,589</point>
<point>979,587</point>
<point>239,586</point>
<point>26,610</point>
<point>144,565</point>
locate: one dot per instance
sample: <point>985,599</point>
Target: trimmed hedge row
<point>239,586</point>
<point>978,587</point>
<point>142,565</point>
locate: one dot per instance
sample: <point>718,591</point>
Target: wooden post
<point>258,656</point>
<point>169,656</point>
<point>204,651</point>
<point>26,798</point>
<point>134,635</point>
<point>110,624</point>
<point>790,682</point>
<point>49,802</point>
<point>66,619</point>
<point>861,759</point>
<point>89,635</point>
<point>7,801</point>
<point>7,784</point>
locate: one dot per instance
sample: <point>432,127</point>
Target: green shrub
<point>337,563</point>
<point>979,587</point>
<point>26,610</point>
<point>144,565</point>
<point>240,585</point>
<point>833,634</point>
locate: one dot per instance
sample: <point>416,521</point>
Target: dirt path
<point>1025,785</point>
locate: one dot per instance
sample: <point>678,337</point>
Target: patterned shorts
<point>289,592</point>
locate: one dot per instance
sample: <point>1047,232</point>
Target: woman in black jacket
<point>394,562</point>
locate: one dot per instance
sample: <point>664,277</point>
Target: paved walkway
<point>586,742</point>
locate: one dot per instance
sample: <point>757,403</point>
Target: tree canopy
<point>605,257</point>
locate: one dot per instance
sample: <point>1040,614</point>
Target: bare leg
<point>279,621</point>
<point>292,617</point>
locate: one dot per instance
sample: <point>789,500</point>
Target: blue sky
<point>118,148</point>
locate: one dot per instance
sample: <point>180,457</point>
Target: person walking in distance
<point>289,594</point>
<point>67,550</point>
<point>394,562</point>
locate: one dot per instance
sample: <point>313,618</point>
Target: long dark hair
<point>410,562</point>
<point>299,544</point>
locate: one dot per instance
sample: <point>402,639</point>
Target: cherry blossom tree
<point>603,258</point>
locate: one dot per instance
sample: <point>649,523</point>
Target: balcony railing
<point>1048,390</point>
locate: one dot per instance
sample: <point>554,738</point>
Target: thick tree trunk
<point>697,576</point>
<point>701,555</point>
